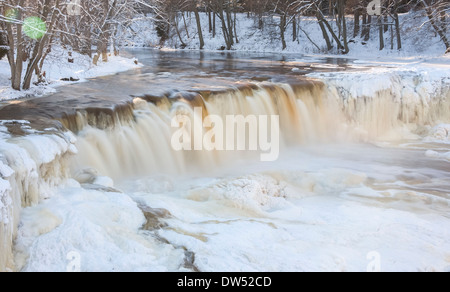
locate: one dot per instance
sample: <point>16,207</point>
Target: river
<point>359,184</point>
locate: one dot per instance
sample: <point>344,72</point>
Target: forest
<point>29,28</point>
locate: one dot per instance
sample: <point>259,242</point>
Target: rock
<point>153,217</point>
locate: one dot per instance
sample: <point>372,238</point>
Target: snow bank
<point>57,68</point>
<point>391,103</point>
<point>101,229</point>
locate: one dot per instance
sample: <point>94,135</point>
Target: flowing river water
<point>360,183</point>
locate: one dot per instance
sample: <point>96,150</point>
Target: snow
<point>439,133</point>
<point>30,167</point>
<point>104,181</point>
<point>102,228</point>
<point>57,67</point>
<point>310,212</point>
<point>5,187</point>
<point>421,78</point>
<point>255,193</point>
<point>418,37</point>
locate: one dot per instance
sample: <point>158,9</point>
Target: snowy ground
<point>57,67</point>
<point>418,38</point>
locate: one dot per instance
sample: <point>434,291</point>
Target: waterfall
<point>310,112</point>
<point>135,138</point>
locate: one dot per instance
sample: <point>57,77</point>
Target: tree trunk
<point>16,78</point>
<point>386,26</point>
<point>235,30</point>
<point>230,25</point>
<point>344,30</point>
<point>185,25</point>
<point>436,27</point>
<point>282,30</point>
<point>364,23</point>
<point>324,33</point>
<point>330,29</point>
<point>309,38</point>
<point>381,32</point>
<point>397,31</point>
<point>11,59</point>
<point>260,20</point>
<point>444,20</point>
<point>225,31</point>
<point>33,65</point>
<point>356,26</point>
<point>367,29</point>
<point>294,29</point>
<point>214,25</point>
<point>41,63</point>
<point>199,28</point>
<point>183,44</point>
<point>3,44</point>
<point>210,22</point>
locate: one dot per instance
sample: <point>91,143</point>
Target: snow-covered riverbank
<point>57,68</point>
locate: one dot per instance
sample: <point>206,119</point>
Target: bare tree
<point>287,11</point>
<point>222,9</point>
<point>194,4</point>
<point>437,12</point>
<point>30,26</point>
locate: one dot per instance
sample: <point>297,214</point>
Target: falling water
<point>139,143</point>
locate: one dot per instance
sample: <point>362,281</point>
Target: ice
<point>255,193</point>
<point>104,181</point>
<point>102,228</point>
<point>5,201</point>
<point>30,167</point>
<point>330,222</point>
<point>42,148</point>
<point>439,133</point>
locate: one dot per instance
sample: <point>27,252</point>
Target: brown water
<point>165,74</point>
